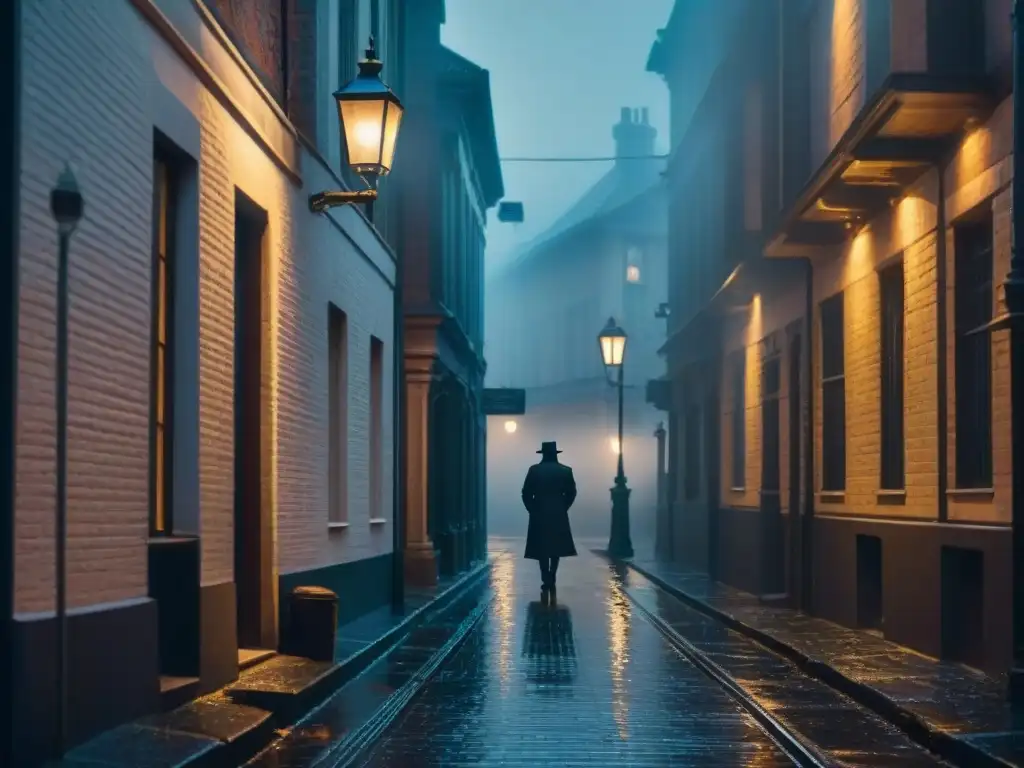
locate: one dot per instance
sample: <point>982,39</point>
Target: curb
<point>945,745</point>
<point>797,749</point>
<point>357,744</point>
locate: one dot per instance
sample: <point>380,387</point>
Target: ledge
<point>911,121</point>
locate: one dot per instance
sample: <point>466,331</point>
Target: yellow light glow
<point>613,443</point>
<point>612,349</point>
<point>633,274</point>
<point>511,426</point>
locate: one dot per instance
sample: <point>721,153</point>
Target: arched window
<point>634,265</point>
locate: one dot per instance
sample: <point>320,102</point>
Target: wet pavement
<point>585,681</point>
<point>960,710</point>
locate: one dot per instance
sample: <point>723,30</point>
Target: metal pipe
<point>621,475</point>
<point>941,333</point>
<point>1014,297</point>
<point>61,522</point>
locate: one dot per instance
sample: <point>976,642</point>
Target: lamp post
<point>370,115</point>
<point>612,342</point>
<point>66,206</point>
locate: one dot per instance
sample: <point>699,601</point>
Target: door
<point>795,488</point>
<point>253,551</point>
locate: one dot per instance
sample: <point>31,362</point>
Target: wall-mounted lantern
<point>370,115</point>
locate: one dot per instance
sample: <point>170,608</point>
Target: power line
<point>579,159</point>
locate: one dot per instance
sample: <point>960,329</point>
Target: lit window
<point>633,274</point>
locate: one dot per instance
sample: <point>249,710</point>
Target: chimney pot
<point>625,115</point>
<point>645,116</point>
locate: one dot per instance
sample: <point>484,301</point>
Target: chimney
<point>634,135</point>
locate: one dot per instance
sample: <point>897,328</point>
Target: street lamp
<point>370,115</point>
<point>612,342</point>
<point>511,426</point>
<point>66,206</point>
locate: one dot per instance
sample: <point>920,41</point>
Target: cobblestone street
<point>586,681</point>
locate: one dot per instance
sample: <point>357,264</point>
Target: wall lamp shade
<point>371,116</point>
<point>66,203</point>
<point>612,341</point>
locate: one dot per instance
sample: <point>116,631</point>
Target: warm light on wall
<point>613,443</point>
<point>511,426</point>
<point>633,274</point>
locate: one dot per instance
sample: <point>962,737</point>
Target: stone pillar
<point>661,543</point>
<point>420,563</point>
<point>473,536</point>
<point>462,476</point>
<point>481,428</point>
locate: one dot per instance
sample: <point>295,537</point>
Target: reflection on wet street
<point>579,679</point>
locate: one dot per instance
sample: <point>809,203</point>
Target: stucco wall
<point>98,78</point>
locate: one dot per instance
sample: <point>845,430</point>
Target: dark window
<point>893,449</point>
<point>833,396</point>
<point>972,309</point>
<point>739,420</point>
<point>162,400</point>
<point>692,458</point>
<point>337,415</point>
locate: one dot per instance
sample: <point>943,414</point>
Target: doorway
<point>870,605</point>
<point>253,550</point>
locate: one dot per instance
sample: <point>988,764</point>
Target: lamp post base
<point>620,545</point>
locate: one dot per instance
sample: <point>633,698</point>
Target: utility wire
<point>579,159</point>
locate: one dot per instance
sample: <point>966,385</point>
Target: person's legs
<point>544,570</point>
<point>553,569</point>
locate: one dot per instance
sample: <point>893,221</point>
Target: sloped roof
<point>625,182</point>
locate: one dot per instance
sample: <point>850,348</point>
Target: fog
<point>564,74</point>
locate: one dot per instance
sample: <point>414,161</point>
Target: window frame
<point>376,473</point>
<point>973,258</point>
<point>338,371</point>
<point>832,321</point>
<point>892,371</point>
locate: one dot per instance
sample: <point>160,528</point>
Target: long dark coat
<point>548,492</point>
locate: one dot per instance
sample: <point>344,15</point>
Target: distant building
<point>230,352</point>
<point>840,400</point>
<point>604,257</point>
<point>452,177</point>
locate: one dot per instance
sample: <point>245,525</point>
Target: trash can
<point>313,623</point>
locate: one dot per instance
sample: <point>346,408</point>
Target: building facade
<point>230,376</point>
<point>853,455</point>
<point>604,257</point>
<point>452,180</point>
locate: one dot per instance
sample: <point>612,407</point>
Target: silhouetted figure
<point>548,492</point>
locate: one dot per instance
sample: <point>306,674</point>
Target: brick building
<point>230,379</point>
<point>605,256</point>
<point>450,179</point>
<point>851,453</point>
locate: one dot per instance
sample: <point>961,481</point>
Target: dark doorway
<point>795,442</point>
<point>253,566</point>
<point>772,540</point>
<point>870,613</point>
<point>712,466</point>
<point>963,614</point>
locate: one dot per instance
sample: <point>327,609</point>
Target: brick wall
<point>119,81</point>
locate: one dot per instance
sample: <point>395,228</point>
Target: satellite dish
<point>510,213</point>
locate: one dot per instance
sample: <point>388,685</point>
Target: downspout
<point>941,363</point>
<point>807,519</point>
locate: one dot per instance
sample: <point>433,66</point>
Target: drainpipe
<point>807,519</point>
<point>941,364</point>
<point>398,442</point>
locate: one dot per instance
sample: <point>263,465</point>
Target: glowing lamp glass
<point>613,443</point>
<point>613,344</point>
<point>511,426</point>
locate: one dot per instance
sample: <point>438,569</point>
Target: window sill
<point>971,494</point>
<point>378,520</point>
<point>337,526</point>
<point>831,497</point>
<point>892,496</point>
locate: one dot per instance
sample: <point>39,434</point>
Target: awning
<point>698,337</point>
<point>910,122</point>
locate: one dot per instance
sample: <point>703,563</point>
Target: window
<point>634,263</point>
<point>833,395</point>
<point>893,448</point>
<point>337,417</point>
<point>162,402</point>
<point>691,484</point>
<point>376,426</point>
<point>972,308</point>
<point>771,387</point>
<point>739,420</point>
<point>633,274</point>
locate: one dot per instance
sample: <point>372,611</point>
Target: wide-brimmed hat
<point>551,447</point>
